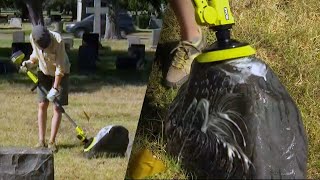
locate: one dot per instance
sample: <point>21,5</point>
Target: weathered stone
<point>18,37</point>
<point>26,163</point>
<point>111,141</point>
<point>234,119</point>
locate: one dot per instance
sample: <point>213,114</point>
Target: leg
<point>184,12</point>
<point>56,119</point>
<point>42,120</point>
<point>192,42</point>
<point>57,115</point>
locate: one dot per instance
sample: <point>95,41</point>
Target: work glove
<point>26,65</point>
<point>53,93</point>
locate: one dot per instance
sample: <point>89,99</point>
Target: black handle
<point>34,87</point>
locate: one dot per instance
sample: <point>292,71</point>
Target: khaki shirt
<point>53,60</point>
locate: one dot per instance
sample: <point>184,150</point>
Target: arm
<point>60,64</point>
<point>33,57</point>
<point>57,81</point>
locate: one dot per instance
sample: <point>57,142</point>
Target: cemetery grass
<point>107,97</point>
<point>286,36</point>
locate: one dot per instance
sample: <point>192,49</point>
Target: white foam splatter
<point>246,67</point>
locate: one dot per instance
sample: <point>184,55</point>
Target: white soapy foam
<point>246,67</point>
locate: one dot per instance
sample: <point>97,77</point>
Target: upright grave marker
<point>88,52</point>
<point>26,163</point>
<point>133,40</point>
<point>18,37</point>
<point>155,37</point>
<point>15,22</point>
<point>97,10</point>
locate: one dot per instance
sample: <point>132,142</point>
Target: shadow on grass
<point>105,75</point>
<point>67,146</point>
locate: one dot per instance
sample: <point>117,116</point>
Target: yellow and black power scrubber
<point>233,118</point>
<point>216,14</point>
<point>110,140</point>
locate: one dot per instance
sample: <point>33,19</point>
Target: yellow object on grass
<point>145,164</point>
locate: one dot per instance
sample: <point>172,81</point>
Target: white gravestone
<point>15,22</point>
<point>18,37</point>
<point>133,40</point>
<point>155,37</point>
<point>97,10</point>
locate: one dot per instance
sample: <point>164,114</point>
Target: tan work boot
<point>53,147</point>
<point>41,144</point>
<point>184,55</point>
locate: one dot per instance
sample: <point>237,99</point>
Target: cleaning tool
<point>233,119</point>
<point>111,139</point>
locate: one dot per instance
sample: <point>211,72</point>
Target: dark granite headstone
<point>235,120</point>
<point>88,52</point>
<point>25,163</point>
<point>55,18</point>
<point>87,58</point>
<point>136,55</point>
<point>26,48</point>
<point>90,39</point>
<point>137,51</point>
<point>111,141</point>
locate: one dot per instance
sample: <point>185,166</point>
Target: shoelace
<point>182,53</point>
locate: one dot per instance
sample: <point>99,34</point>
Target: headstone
<point>21,163</point>
<point>18,37</point>
<point>88,52</point>
<point>87,58</point>
<point>97,10</point>
<point>155,23</point>
<point>133,40</point>
<point>6,66</point>
<point>111,141</point>
<point>47,21</point>
<point>57,26</point>
<point>55,18</point>
<point>135,58</point>
<point>15,23</point>
<point>155,37</point>
<point>3,19</point>
<point>91,39</point>
<point>26,48</point>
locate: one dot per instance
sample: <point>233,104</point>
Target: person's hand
<point>28,64</point>
<point>53,93</point>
